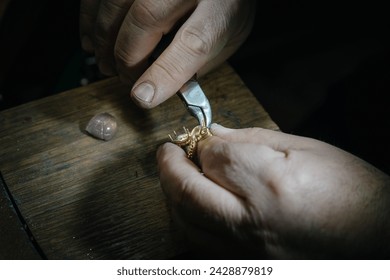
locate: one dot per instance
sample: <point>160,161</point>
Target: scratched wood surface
<point>84,198</point>
<point>15,242</point>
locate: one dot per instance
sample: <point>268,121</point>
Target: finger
<point>88,15</point>
<point>242,168</point>
<point>109,19</point>
<point>276,140</point>
<point>189,190</point>
<point>199,39</point>
<point>142,29</point>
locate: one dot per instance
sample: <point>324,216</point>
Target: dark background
<point>320,69</point>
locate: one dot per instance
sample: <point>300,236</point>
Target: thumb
<point>193,46</point>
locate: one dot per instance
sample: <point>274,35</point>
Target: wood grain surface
<point>15,242</point>
<point>84,198</point>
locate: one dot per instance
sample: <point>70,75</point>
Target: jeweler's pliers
<point>190,93</point>
<point>196,102</point>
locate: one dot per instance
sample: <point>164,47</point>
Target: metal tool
<point>190,93</point>
<point>196,102</point>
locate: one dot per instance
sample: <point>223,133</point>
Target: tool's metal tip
<point>196,102</point>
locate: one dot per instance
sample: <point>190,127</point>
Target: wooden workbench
<point>83,198</point>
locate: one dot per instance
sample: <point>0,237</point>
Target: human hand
<point>124,33</point>
<point>277,195</point>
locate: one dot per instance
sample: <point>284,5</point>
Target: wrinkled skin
<point>124,33</point>
<point>262,192</point>
<point>276,195</point>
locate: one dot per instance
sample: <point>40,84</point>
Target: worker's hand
<point>124,33</point>
<point>278,195</point>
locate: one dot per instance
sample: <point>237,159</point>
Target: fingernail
<point>144,92</point>
<point>86,43</point>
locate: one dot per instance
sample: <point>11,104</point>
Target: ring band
<point>189,139</point>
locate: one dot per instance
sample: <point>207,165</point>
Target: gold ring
<point>189,139</point>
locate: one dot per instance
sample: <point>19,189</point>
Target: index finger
<point>88,14</point>
<point>277,140</point>
<point>142,29</point>
<point>198,41</point>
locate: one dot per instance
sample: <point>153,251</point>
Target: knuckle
<point>100,39</point>
<point>218,152</point>
<point>147,14</point>
<point>196,41</point>
<point>170,70</point>
<point>102,27</point>
<point>224,150</point>
<point>111,5</point>
<point>101,36</point>
<point>121,55</point>
<point>109,19</point>
<point>101,46</point>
